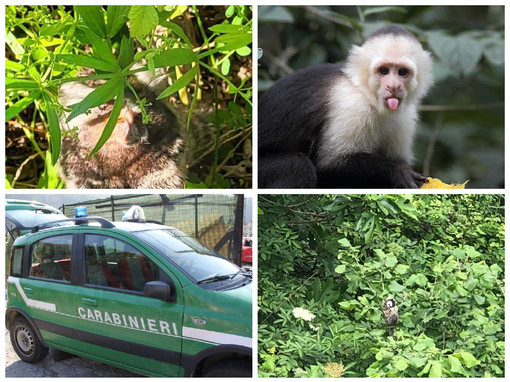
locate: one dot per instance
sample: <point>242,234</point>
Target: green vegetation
<point>327,263</point>
<point>203,50</point>
<point>461,132</point>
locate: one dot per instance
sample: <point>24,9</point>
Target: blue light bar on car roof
<point>80,212</point>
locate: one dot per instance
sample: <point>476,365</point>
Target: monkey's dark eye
<point>403,72</point>
<point>383,70</point>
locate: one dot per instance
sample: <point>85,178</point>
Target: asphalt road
<point>69,367</point>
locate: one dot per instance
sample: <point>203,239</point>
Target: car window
<point>51,258</point>
<point>197,261</point>
<point>11,234</point>
<point>17,262</point>
<point>114,263</point>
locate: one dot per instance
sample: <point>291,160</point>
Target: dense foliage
<point>205,51</point>
<point>461,134</point>
<point>327,263</point>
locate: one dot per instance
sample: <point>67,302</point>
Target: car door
<point>46,291</point>
<point>117,322</point>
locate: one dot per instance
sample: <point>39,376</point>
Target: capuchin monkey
<point>136,155</point>
<point>347,126</point>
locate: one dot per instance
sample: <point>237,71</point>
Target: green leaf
<point>53,128</point>
<point>100,47</point>
<point>229,28</point>
<point>395,287</point>
<point>88,62</point>
<point>348,305</point>
<point>126,52</point>
<point>14,66</point>
<point>234,41</point>
<point>340,269</point>
<point>225,66</point>
<point>391,261</point>
<point>180,83</point>
<point>21,105</point>
<point>424,343</point>
<point>401,269</point>
<point>13,83</point>
<point>436,371</point>
<point>460,290</point>
<point>455,365</point>
<point>459,253</point>
<point>49,178</point>
<point>244,51</point>
<point>417,362</point>
<point>14,44</point>
<point>112,121</point>
<point>143,19</point>
<point>116,18</point>
<point>469,359</point>
<point>383,354</point>
<point>344,243</point>
<point>174,57</point>
<point>401,364</point>
<point>177,30</point>
<point>275,14</point>
<point>93,16</point>
<point>495,53</point>
<point>461,53</point>
<point>98,96</point>
<point>421,279</point>
<point>374,10</point>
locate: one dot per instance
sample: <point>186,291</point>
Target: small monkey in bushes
<point>390,311</point>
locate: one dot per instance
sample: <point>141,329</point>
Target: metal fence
<point>215,220</point>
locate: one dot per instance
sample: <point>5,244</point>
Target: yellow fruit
<point>436,183</point>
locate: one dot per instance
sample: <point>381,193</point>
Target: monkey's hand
<point>405,177</point>
<point>419,179</point>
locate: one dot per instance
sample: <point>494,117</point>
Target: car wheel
<point>25,341</point>
<point>229,368</point>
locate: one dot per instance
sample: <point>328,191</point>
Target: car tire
<point>229,368</point>
<point>25,341</point>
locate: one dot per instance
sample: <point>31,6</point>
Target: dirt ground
<point>69,367</point>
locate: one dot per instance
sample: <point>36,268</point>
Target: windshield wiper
<point>213,278</point>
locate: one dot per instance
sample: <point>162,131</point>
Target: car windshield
<point>26,219</point>
<point>199,262</point>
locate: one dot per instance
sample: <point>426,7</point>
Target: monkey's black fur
<point>290,122</point>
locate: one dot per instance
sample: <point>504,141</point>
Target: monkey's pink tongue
<point>393,103</point>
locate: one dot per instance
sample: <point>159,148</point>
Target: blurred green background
<point>461,133</point>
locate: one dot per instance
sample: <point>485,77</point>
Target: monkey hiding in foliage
<point>347,126</point>
<point>137,155</point>
<point>390,311</point>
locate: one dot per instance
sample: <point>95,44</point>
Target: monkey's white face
<point>391,82</point>
<point>390,303</point>
<point>396,70</point>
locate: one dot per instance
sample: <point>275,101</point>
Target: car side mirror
<point>160,290</point>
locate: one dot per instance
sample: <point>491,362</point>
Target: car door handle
<point>28,290</point>
<point>88,301</point>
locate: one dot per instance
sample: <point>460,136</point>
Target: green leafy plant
<point>51,44</point>
<point>339,256</point>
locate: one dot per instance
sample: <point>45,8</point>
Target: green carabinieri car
<point>140,296</point>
